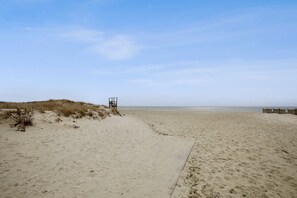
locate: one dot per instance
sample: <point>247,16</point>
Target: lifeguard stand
<point>113,102</point>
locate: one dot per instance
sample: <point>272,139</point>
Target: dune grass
<point>21,118</point>
<point>61,107</point>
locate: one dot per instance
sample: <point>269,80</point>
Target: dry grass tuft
<point>4,115</point>
<point>58,120</point>
<point>115,112</point>
<point>21,118</point>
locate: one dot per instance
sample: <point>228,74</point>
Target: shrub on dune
<point>21,118</point>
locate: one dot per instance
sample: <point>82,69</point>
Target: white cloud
<point>117,48</point>
<point>113,47</point>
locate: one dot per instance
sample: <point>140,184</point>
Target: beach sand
<point>235,154</point>
<point>114,157</point>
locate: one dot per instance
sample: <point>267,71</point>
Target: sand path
<point>116,157</point>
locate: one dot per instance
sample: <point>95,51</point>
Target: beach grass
<point>62,107</point>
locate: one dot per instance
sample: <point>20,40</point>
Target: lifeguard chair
<point>113,102</point>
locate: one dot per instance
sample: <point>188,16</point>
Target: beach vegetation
<point>3,115</point>
<point>115,112</point>
<point>62,107</point>
<point>21,118</point>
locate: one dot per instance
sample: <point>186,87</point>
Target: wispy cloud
<point>205,31</point>
<point>116,48</point>
<point>200,73</point>
<point>30,1</point>
<point>87,35</point>
<point>113,47</point>
<point>245,25</point>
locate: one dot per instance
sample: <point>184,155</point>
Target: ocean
<point>200,108</point>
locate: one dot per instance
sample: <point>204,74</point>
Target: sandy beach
<point>114,157</point>
<point>235,154</point>
<point>151,153</point>
<point>148,99</point>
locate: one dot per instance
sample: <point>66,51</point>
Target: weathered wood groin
<point>280,111</point>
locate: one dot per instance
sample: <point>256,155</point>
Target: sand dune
<point>116,157</point>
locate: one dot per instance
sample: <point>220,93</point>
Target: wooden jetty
<point>280,111</point>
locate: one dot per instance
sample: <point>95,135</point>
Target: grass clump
<point>75,109</point>
<point>4,115</point>
<point>65,111</point>
<point>115,112</point>
<point>21,118</point>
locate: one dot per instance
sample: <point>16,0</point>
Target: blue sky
<point>193,53</point>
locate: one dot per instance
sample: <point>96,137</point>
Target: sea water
<point>200,108</point>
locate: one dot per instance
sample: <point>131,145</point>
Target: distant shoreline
<point>202,108</point>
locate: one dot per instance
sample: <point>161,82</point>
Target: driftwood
<point>21,118</point>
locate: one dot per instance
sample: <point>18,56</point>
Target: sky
<point>150,52</point>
